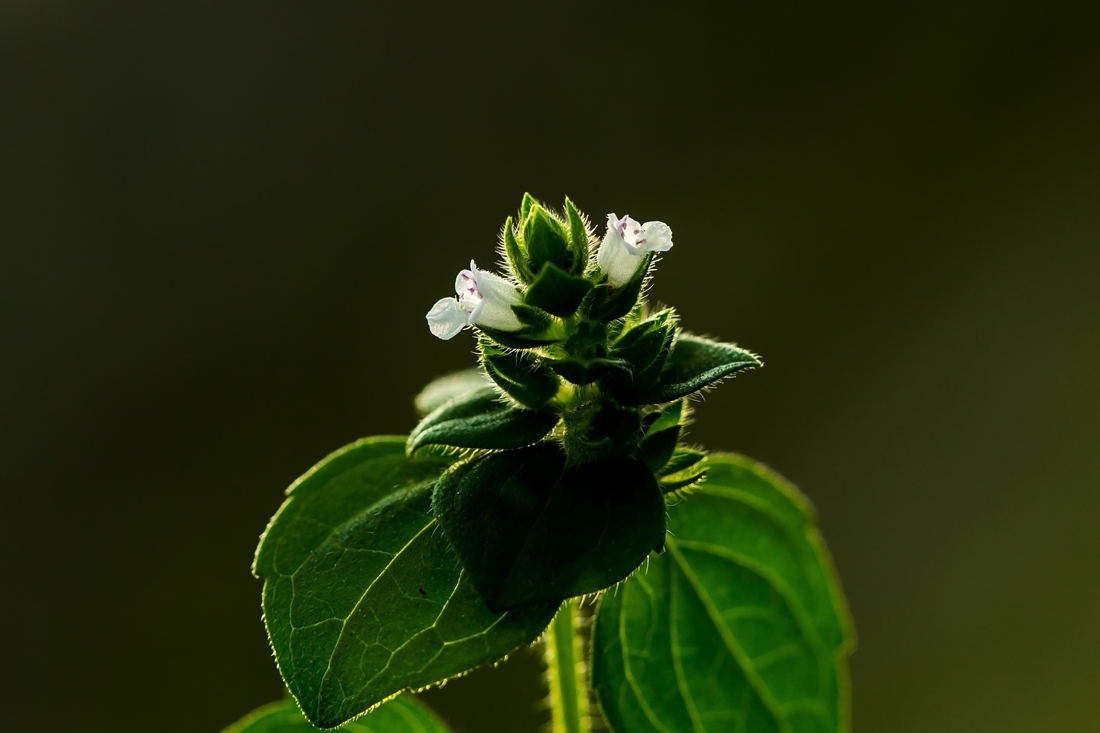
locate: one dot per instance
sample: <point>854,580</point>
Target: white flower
<point>484,299</point>
<point>627,243</point>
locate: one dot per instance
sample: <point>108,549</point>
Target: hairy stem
<point>566,672</point>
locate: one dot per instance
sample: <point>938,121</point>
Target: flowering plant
<point>556,471</point>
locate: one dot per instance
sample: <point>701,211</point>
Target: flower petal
<point>446,319</point>
<point>658,236</point>
<point>495,308</point>
<point>618,259</point>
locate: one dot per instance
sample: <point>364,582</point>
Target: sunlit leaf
<point>739,626</point>
<point>363,596</point>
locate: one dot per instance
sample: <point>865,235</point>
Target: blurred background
<point>221,224</point>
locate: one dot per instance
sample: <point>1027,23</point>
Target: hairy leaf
<point>516,254</point>
<point>527,338</point>
<point>525,378</point>
<point>556,291</point>
<point>363,595</point>
<point>739,626</point>
<point>400,715</point>
<point>546,241</point>
<point>481,420</point>
<point>578,236</point>
<point>682,459</point>
<point>527,528</point>
<point>693,364</point>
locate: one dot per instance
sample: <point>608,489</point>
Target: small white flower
<point>484,299</point>
<point>627,243</point>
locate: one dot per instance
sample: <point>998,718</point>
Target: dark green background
<point>222,223</point>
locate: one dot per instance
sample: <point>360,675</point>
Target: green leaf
<point>527,528</point>
<point>656,448</point>
<point>682,459</point>
<point>546,240</point>
<point>739,626</point>
<point>578,237</point>
<point>672,482</point>
<point>400,715</point>
<point>661,436</point>
<point>447,387</point>
<point>517,257</point>
<point>525,206</point>
<point>557,292</point>
<point>525,378</point>
<point>363,595</point>
<point>481,420</point>
<point>693,364</point>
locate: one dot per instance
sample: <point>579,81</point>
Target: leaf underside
<point>480,419</point>
<point>400,715</point>
<point>740,627</point>
<point>363,595</point>
<point>694,364</point>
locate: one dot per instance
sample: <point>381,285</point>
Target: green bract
<point>554,470</point>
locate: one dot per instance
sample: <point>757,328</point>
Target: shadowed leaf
<point>528,528</point>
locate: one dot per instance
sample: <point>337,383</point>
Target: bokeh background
<point>221,224</point>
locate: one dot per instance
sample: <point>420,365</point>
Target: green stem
<point>565,660</point>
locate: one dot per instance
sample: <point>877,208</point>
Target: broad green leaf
<point>525,378</point>
<point>400,715</point>
<point>556,291</point>
<point>447,387</point>
<point>693,364</point>
<point>363,595</point>
<point>527,528</point>
<point>481,420</point>
<point>739,626</point>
